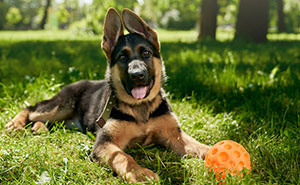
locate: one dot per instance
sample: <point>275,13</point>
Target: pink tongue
<point>139,92</point>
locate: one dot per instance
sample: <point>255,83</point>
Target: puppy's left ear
<point>113,30</point>
<point>135,24</point>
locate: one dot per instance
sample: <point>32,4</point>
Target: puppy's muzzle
<point>137,72</point>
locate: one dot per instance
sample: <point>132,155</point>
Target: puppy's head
<point>135,66</point>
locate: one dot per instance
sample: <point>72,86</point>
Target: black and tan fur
<point>133,61</point>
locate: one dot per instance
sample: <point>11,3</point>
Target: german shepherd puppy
<point>128,107</point>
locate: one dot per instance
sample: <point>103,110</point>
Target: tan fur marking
<point>166,131</point>
<point>127,48</point>
<point>163,126</point>
<point>19,120</point>
<point>125,97</point>
<point>158,72</point>
<point>39,127</point>
<point>53,115</point>
<point>123,132</point>
<point>138,47</point>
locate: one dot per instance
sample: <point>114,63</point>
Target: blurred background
<point>247,19</point>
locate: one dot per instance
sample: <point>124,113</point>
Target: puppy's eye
<point>146,54</point>
<point>123,58</point>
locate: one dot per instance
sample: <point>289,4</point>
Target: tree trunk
<point>44,20</point>
<point>2,14</point>
<point>280,21</point>
<point>253,20</point>
<point>208,19</point>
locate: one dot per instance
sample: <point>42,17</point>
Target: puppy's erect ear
<point>113,29</point>
<point>134,24</point>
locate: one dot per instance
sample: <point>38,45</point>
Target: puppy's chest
<point>143,136</point>
<point>138,124</point>
<point>128,134</point>
<point>134,142</point>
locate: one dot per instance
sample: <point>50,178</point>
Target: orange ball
<point>227,157</point>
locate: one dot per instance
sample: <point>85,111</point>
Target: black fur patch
<point>162,109</point>
<point>103,136</point>
<point>179,129</point>
<point>116,114</point>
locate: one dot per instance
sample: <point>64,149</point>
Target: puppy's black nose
<point>137,75</point>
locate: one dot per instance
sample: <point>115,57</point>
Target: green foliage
<point>292,15</point>
<point>13,16</point>
<point>176,14</point>
<point>228,10</point>
<point>24,16</point>
<point>95,13</point>
<point>3,11</point>
<point>245,92</point>
<point>63,15</point>
<point>292,9</point>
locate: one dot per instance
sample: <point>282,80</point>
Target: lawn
<point>246,92</point>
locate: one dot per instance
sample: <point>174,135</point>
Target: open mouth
<point>141,92</point>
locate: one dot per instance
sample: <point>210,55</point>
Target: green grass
<point>66,35</point>
<point>245,92</point>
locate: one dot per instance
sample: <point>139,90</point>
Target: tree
<point>208,19</point>
<point>281,16</point>
<point>3,11</point>
<point>45,16</point>
<point>13,16</point>
<point>28,10</point>
<point>252,20</point>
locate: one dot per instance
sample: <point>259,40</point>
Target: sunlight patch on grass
<point>17,36</point>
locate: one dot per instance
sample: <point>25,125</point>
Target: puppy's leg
<point>19,120</point>
<point>111,140</point>
<point>58,108</point>
<point>168,133</point>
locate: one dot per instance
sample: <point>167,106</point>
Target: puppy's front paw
<point>19,122</point>
<point>15,125</point>
<point>141,175</point>
<point>198,150</point>
<point>203,151</point>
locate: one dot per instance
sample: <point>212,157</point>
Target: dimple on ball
<point>227,157</point>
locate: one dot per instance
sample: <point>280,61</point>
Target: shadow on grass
<point>68,60</point>
<point>259,83</point>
